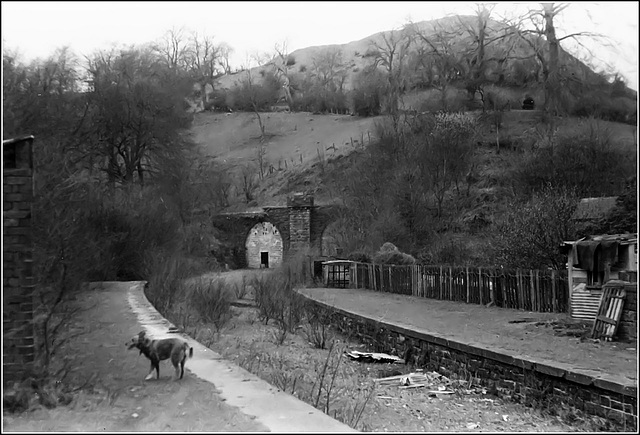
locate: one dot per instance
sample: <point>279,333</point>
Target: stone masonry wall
<point>520,380</point>
<point>18,347</point>
<point>299,228</point>
<point>628,328</point>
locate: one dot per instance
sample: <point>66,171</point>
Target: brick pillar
<point>18,350</point>
<point>300,206</point>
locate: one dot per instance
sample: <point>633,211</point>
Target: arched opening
<point>333,240</point>
<point>264,246</point>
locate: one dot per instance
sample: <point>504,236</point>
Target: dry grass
<point>345,389</point>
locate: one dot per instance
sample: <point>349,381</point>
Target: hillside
<point>454,32</point>
<point>392,189</point>
<point>306,143</point>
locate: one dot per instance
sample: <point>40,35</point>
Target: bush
<point>211,299</point>
<point>359,256</point>
<point>587,162</point>
<point>368,91</point>
<point>389,254</point>
<point>317,325</point>
<point>166,274</point>
<point>276,297</point>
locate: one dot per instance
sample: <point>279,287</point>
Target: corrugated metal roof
<point>17,139</point>
<point>623,239</point>
<point>337,261</point>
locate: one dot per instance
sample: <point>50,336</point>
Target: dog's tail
<point>187,347</point>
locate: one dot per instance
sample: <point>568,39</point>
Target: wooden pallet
<point>606,323</point>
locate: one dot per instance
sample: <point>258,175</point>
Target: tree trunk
<point>551,84</point>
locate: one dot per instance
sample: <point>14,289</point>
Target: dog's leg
<point>155,365</point>
<point>182,366</point>
<point>150,375</point>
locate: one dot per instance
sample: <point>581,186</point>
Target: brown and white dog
<point>158,350</point>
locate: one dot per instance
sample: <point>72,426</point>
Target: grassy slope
<point>303,140</point>
<point>299,139</point>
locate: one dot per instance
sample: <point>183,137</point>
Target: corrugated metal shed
<point>585,302</point>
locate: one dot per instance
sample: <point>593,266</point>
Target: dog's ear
<point>141,336</point>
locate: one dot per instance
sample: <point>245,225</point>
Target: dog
<point>161,349</point>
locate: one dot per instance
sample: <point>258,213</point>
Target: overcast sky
<point>36,29</point>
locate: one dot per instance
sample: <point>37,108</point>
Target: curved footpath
<point>278,411</point>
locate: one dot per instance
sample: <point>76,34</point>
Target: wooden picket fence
<point>530,290</point>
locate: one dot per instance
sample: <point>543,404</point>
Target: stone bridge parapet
<point>300,225</point>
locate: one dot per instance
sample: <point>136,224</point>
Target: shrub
<point>167,272</point>
<point>389,254</point>
<point>317,325</point>
<point>368,92</point>
<point>211,299</point>
<point>359,256</point>
<point>276,297</point>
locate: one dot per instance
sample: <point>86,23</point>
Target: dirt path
<point>491,328</point>
<point>116,397</point>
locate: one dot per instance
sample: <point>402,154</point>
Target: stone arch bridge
<point>266,237</point>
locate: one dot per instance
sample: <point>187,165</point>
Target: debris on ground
<point>438,384</point>
<point>524,320</point>
<point>373,357</point>
<point>404,380</point>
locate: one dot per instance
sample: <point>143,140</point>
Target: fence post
<point>533,291</point>
<point>492,288</point>
<point>441,279</point>
<point>468,284</point>
<point>413,280</point>
<point>355,275</point>
<point>554,296</point>
<point>519,290</point>
<point>480,283</point>
<point>451,297</point>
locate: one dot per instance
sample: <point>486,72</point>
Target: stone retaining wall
<point>628,328</point>
<point>544,384</point>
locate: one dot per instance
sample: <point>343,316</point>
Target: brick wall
<point>18,352</point>
<point>528,382</point>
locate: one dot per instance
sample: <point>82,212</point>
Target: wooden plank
<point>606,319</point>
<point>518,288</point>
<point>609,313</point>
<point>532,291</point>
<point>480,284</point>
<point>554,294</point>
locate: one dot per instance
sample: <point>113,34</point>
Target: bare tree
<point>328,76</point>
<point>135,112</point>
<point>252,90</point>
<point>173,47</point>
<point>541,37</point>
<point>224,54</point>
<point>248,183</point>
<point>440,55</point>
<point>282,72</point>
<point>392,54</point>
<point>202,57</point>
